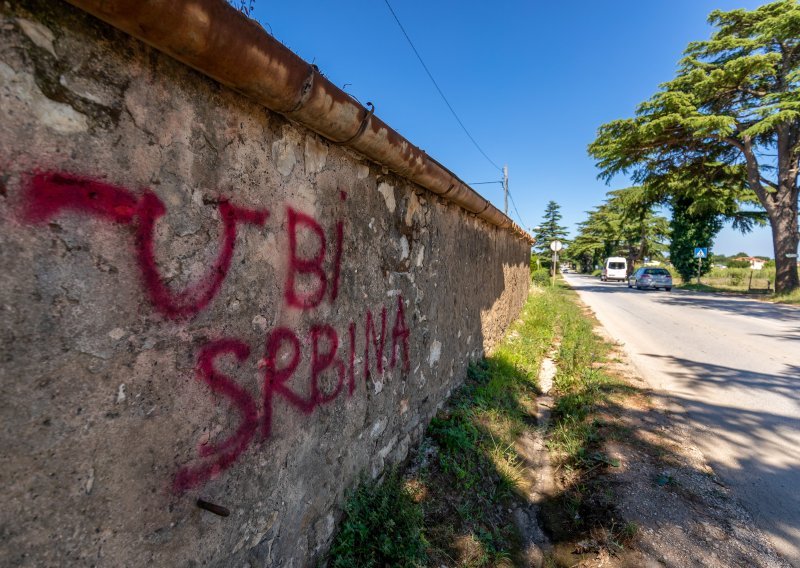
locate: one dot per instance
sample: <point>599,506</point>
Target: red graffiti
<point>314,274</point>
<point>275,379</point>
<point>323,360</point>
<point>351,377</point>
<point>228,451</point>
<point>50,193</point>
<point>310,268</point>
<point>283,352</point>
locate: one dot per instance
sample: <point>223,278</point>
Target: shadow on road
<point>762,444</point>
<point>597,285</point>
<point>735,305</point>
<point>786,383</point>
<point>747,466</point>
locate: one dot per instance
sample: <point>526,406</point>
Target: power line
<point>509,195</point>
<point>517,210</point>
<point>435,84</point>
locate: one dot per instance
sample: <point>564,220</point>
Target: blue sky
<point>532,81</point>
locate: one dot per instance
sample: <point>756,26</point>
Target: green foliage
<point>477,470</point>
<point>382,527</point>
<point>550,230</point>
<point>579,387</point>
<point>736,277</point>
<point>738,264</point>
<point>624,225</point>
<point>491,393</point>
<point>791,298</point>
<point>541,277</point>
<point>690,231</point>
<point>703,137</point>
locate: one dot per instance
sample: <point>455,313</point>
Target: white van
<point>615,268</point>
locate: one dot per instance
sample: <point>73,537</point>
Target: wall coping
<point>217,40</point>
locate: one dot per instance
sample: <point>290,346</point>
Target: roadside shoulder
<point>685,515</point>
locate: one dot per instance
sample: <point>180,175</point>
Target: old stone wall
<point>202,300</point>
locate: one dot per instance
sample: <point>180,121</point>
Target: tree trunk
<point>783,219</point>
<point>781,205</point>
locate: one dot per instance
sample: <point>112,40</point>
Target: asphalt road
<point>730,367</point>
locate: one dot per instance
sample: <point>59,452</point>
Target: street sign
<point>556,246</point>
<point>700,252</point>
<point>791,255</point>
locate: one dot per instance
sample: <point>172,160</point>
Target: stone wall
<point>201,300</point>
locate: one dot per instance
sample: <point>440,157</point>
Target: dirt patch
<point>656,502</point>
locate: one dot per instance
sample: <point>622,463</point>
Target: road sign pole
<point>700,253</point>
<point>555,246</point>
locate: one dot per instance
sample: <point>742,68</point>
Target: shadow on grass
<point>609,495</point>
<point>473,475</point>
<point>458,493</point>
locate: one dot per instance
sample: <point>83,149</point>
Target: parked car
<point>654,278</point>
<point>615,268</point>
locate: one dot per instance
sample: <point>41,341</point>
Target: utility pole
<point>505,188</point>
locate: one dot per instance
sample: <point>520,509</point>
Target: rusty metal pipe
<point>220,42</point>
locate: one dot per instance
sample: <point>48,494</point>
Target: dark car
<point>651,278</point>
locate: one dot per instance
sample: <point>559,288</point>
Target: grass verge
<point>715,289</point>
<point>582,518</point>
<point>793,298</point>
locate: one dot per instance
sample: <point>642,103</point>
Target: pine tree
<point>549,230</point>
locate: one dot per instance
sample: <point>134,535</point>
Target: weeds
<point>579,386</point>
<point>791,298</point>
<point>582,518</point>
<point>382,527</point>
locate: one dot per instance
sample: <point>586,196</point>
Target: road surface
<point>731,368</point>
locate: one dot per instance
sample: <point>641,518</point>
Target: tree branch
<point>754,174</point>
<point>734,142</point>
<point>751,92</point>
<point>772,184</point>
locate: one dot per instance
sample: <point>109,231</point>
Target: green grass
<point>702,287</point>
<point>584,391</point>
<point>478,470</point>
<point>382,527</point>
<point>579,386</point>
<point>793,298</point>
